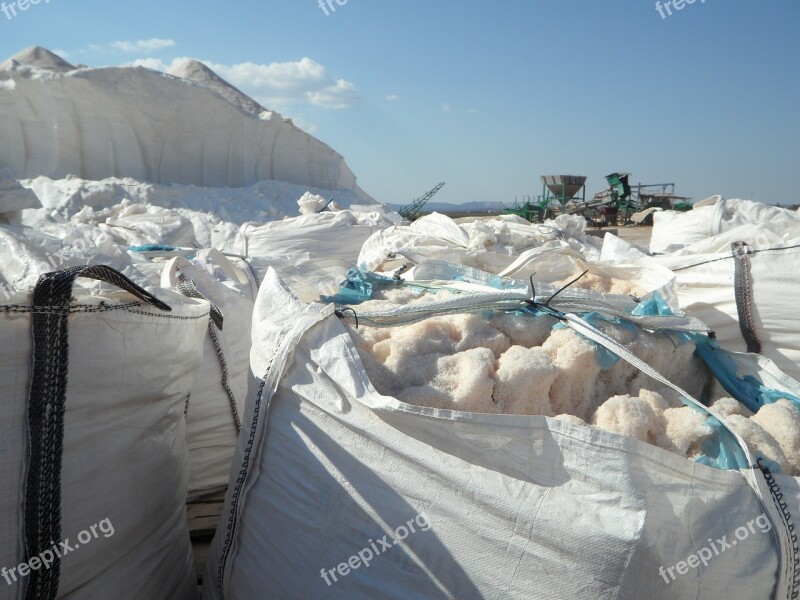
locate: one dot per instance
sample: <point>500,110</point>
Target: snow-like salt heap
<point>607,285</point>
<point>130,156</point>
<point>512,363</point>
<point>212,216</point>
<point>96,123</point>
<point>518,364</point>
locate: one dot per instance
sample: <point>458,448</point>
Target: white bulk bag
<point>217,400</point>
<point>324,235</point>
<point>673,230</point>
<point>93,431</point>
<point>332,478</point>
<point>707,289</point>
<point>695,231</point>
<point>552,252</point>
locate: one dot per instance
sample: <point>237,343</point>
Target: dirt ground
<point>638,237</point>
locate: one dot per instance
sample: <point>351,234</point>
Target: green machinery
<point>557,190</point>
<point>620,200</point>
<point>613,205</point>
<point>616,204</point>
<point>620,191</point>
<point>411,211</point>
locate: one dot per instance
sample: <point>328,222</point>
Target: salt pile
<point>514,363</point>
<point>96,123</point>
<point>180,159</point>
<point>134,212</point>
<point>607,285</point>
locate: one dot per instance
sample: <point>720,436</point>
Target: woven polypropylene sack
<point>124,460</point>
<point>504,506</point>
<point>311,237</point>
<point>213,417</point>
<point>707,289</point>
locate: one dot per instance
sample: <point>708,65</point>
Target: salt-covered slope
<point>135,122</point>
<point>194,70</point>
<point>38,57</point>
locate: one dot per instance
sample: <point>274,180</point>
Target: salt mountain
<point>188,127</point>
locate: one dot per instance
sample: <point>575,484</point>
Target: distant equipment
<point>557,191</point>
<point>411,211</point>
<point>621,201</point>
<point>661,195</point>
<point>614,205</point>
<point>620,192</point>
<point>620,188</point>
<point>563,188</point>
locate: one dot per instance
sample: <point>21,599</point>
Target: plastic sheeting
<point>490,245</point>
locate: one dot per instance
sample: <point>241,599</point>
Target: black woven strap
<point>188,289</point>
<point>743,291</point>
<point>46,408</point>
<point>223,363</point>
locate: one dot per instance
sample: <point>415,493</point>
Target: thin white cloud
<point>342,94</point>
<point>392,97</point>
<point>284,84</point>
<point>303,123</point>
<point>151,45</point>
<point>446,107</point>
<point>154,63</point>
<point>278,86</point>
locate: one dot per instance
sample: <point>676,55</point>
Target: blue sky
<point>487,96</point>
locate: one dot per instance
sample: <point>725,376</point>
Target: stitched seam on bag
<point>230,527</point>
<point>46,408</point>
<point>73,308</point>
<point>162,316</point>
<point>713,260</point>
<point>777,497</point>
